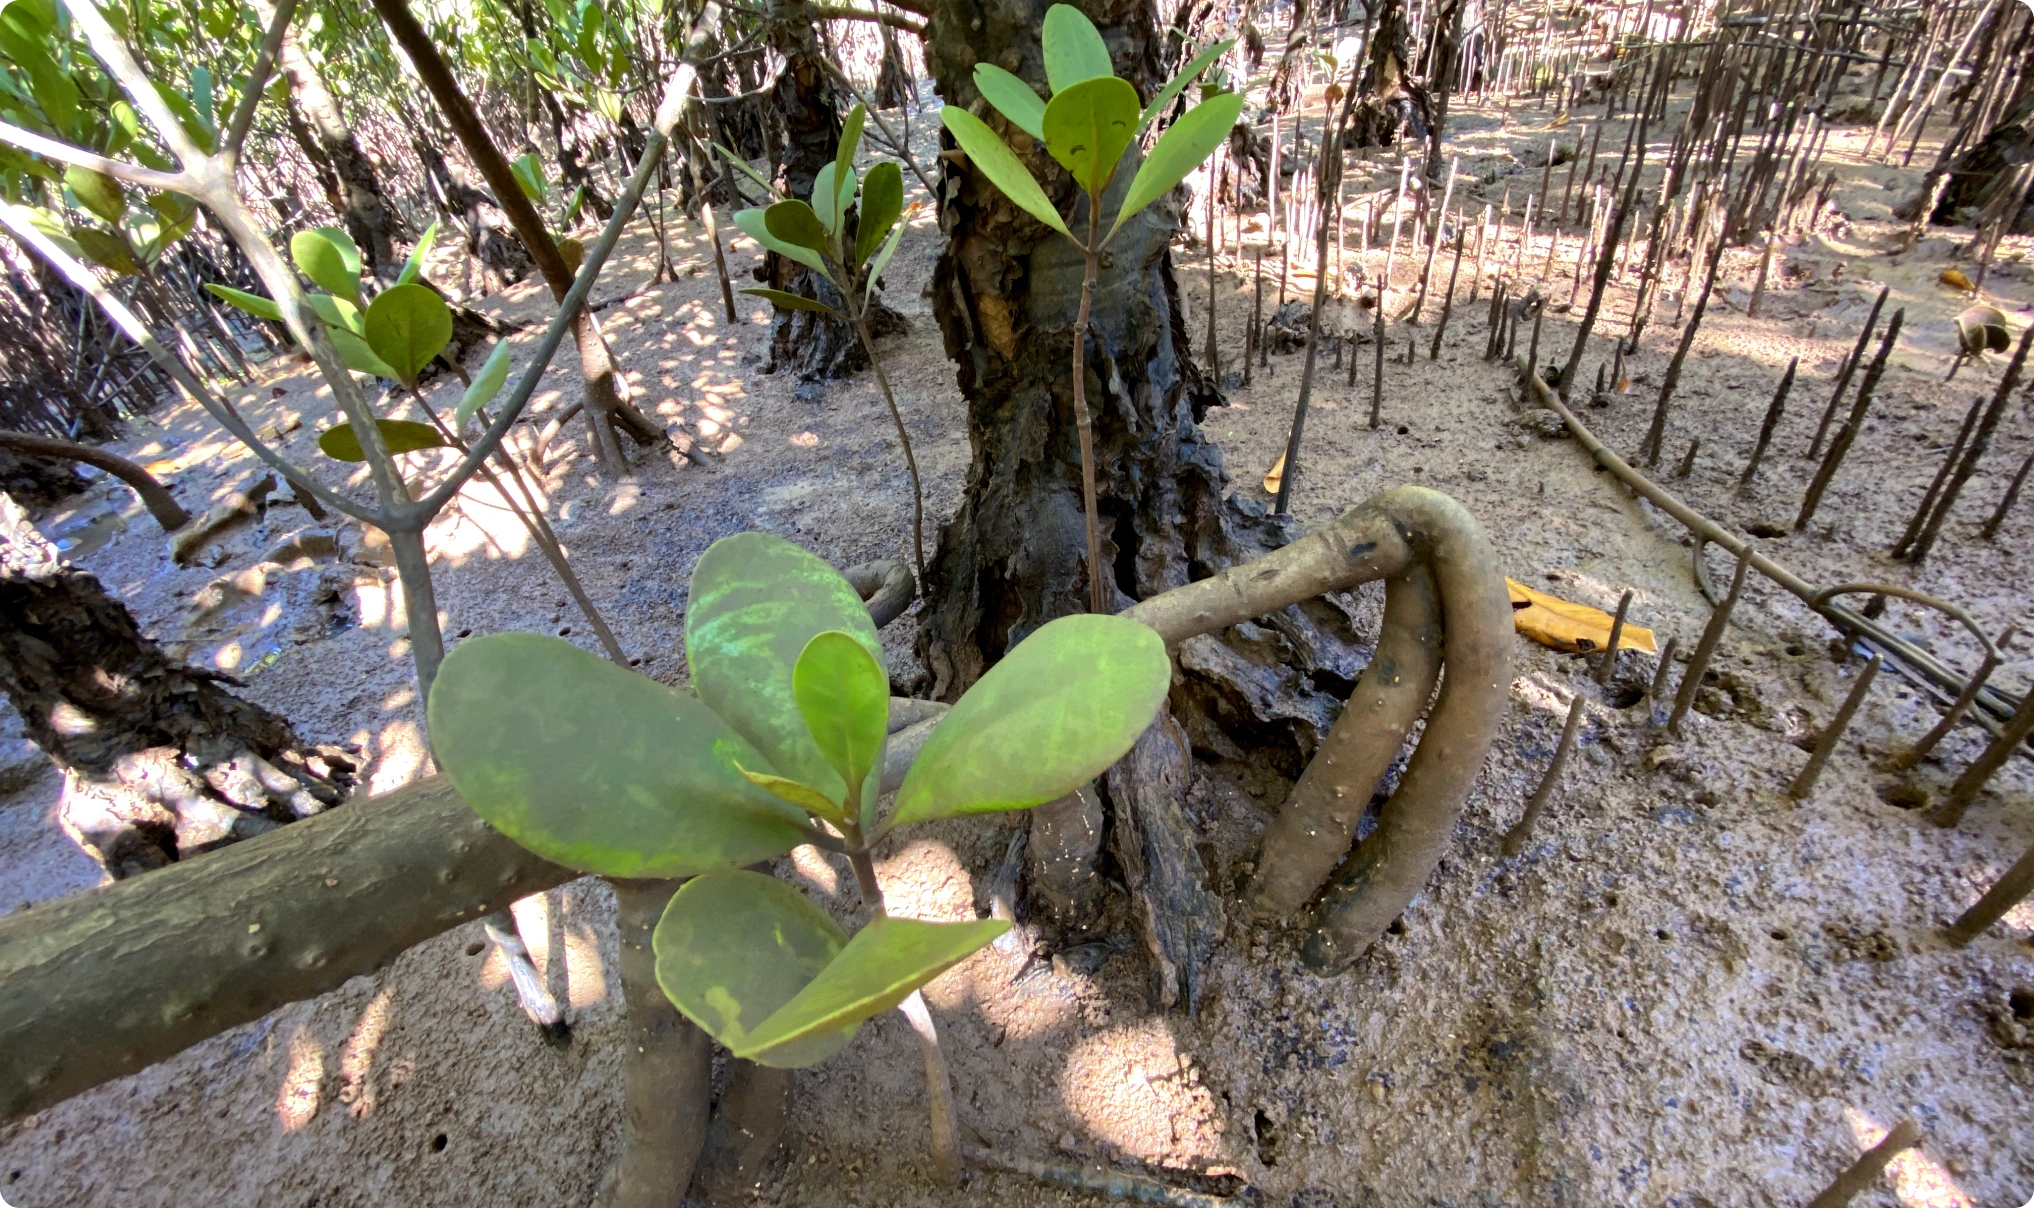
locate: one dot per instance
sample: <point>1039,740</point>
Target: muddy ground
<point>1689,990</point>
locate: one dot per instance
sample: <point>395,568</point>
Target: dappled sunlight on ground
<point>1919,1180</point>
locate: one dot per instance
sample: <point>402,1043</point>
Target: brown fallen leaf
<point>1565,625</point>
<point>1274,476</point>
<point>1956,280</point>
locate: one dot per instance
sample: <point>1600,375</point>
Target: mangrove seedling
<point>816,235</point>
<point>780,741</point>
<point>1091,120</point>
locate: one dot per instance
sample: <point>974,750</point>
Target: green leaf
<point>882,203</point>
<point>825,199</point>
<point>844,159</point>
<point>201,96</point>
<point>843,694</point>
<point>1201,62</point>
<point>529,174</point>
<point>880,966</point>
<point>1012,98</point>
<point>598,768</point>
<point>882,260</point>
<point>769,189</point>
<point>752,224</point>
<point>106,249</point>
<point>1074,50</point>
<point>572,207</point>
<point>414,266</point>
<point>804,796</point>
<point>328,257</point>
<point>756,601</point>
<point>96,192</point>
<point>408,325</point>
<point>996,161</point>
<point>178,217</point>
<point>573,253</point>
<point>487,383</point>
<point>1180,150</point>
<point>789,301</point>
<point>337,313</point>
<point>794,222</point>
<point>735,946</point>
<point>342,443</point>
<point>1088,127</point>
<point>253,304</point>
<point>1048,718</point>
<point>356,355</point>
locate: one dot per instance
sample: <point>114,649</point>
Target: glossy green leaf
<point>1048,718</point>
<point>882,260</point>
<point>408,325</point>
<point>795,223</point>
<point>529,174</point>
<point>1012,98</point>
<point>752,223</point>
<point>337,313</point>
<point>785,300</point>
<point>572,207</point>
<point>733,947</point>
<point>414,266</point>
<point>756,601</point>
<point>769,190</point>
<point>106,249</point>
<point>804,796</point>
<point>355,354</point>
<point>342,443</point>
<point>1173,87</point>
<point>97,192</point>
<point>1074,50</point>
<point>883,963</point>
<point>1181,149</point>
<point>253,304</point>
<point>486,384</point>
<point>882,203</point>
<point>1088,127</point>
<point>844,158</point>
<point>825,199</point>
<point>598,768</point>
<point>994,159</point>
<point>843,694</point>
<point>334,265</point>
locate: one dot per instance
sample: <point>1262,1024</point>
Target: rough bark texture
<point>353,182</point>
<point>1007,292</point>
<point>1391,104</point>
<point>813,345</point>
<point>163,760</point>
<point>112,980</point>
<point>490,241</point>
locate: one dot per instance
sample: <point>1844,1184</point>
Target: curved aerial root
<point>1391,536</point>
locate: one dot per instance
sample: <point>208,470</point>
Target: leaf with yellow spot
<point>1565,625</point>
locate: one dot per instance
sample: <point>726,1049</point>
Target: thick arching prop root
<point>1445,605</point>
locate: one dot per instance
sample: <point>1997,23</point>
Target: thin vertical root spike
<point>1608,661</point>
<point>1515,838</point>
<point>1825,746</point>
<point>1705,648</point>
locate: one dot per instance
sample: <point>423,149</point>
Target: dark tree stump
<point>163,760</point>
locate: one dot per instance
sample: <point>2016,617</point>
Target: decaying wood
<point>1153,842</point>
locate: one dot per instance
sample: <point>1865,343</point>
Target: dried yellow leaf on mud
<point>1565,625</point>
<point>1956,280</point>
<point>1274,475</point>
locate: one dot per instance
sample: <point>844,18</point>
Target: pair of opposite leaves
<point>606,771</point>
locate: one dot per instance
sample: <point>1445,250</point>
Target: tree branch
<point>892,20</point>
<point>64,153</point>
<point>257,79</point>
<point>123,318</point>
<point>110,981</point>
<point>160,503</point>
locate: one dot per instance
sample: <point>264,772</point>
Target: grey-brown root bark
<point>163,760</point>
<point>1384,537</point>
<point>112,980</point>
<point>817,347</point>
<point>667,1067</point>
<point>746,1129</point>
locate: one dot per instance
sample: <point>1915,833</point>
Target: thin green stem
<point>1098,600</point>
